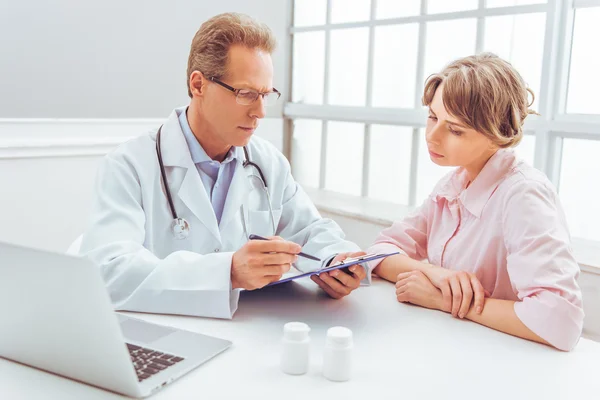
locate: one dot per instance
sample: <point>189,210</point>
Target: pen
<point>256,237</point>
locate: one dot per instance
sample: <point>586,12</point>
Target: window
<point>441,47</point>
<point>343,161</point>
<point>306,143</point>
<point>358,72</point>
<point>585,64</point>
<point>395,65</point>
<point>309,67</point>
<point>579,189</point>
<point>348,80</point>
<point>310,12</point>
<point>519,39</point>
<point>389,163</point>
<point>445,6</point>
<point>395,9</point>
<point>526,149</point>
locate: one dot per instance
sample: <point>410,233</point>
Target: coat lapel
<point>238,191</point>
<point>176,155</point>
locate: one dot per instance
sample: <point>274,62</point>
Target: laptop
<point>56,315</point>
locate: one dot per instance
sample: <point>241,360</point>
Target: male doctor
<point>177,240</point>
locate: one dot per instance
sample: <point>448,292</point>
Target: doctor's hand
<point>459,288</point>
<point>338,283</point>
<point>260,262</point>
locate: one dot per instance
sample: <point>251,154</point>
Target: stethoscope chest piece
<point>180,228</point>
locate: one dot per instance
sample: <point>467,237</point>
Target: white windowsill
<point>383,213</point>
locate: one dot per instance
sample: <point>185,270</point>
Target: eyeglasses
<point>246,97</point>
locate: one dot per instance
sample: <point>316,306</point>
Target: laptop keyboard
<point>148,362</point>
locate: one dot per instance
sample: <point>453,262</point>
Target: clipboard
<point>342,264</point>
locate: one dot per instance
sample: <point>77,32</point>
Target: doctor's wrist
<point>234,283</point>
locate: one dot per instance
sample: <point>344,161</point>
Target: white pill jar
<point>337,361</point>
<point>296,348</point>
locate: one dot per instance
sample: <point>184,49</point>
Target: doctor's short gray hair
<point>211,43</point>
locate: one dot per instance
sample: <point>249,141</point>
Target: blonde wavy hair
<point>210,46</point>
<point>487,94</point>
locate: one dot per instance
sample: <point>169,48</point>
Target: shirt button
<point>217,250</point>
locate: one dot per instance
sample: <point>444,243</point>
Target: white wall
<point>364,233</point>
<point>46,200</point>
<point>111,58</point>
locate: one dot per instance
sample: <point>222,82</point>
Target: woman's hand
<point>459,289</point>
<point>414,287</point>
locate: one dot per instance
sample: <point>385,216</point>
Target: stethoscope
<point>180,227</point>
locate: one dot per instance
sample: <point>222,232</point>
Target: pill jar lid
<point>296,331</point>
<point>339,336</point>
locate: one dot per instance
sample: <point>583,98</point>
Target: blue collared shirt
<point>216,176</point>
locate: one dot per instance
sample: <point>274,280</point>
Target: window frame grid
<point>475,13</point>
<point>369,103</point>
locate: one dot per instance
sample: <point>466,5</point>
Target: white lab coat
<point>129,234</point>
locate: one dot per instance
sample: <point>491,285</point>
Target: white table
<point>401,352</point>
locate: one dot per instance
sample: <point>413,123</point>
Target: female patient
<point>492,231</point>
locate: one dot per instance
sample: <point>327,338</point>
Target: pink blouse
<point>508,228</point>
